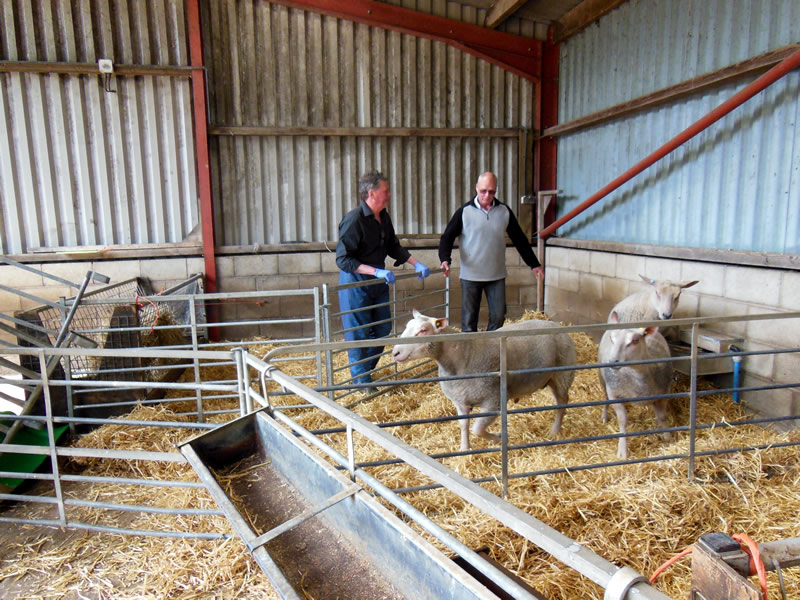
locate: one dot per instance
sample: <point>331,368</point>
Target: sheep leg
<point>464,425</point>
<point>660,409</point>
<point>562,397</point>
<point>622,419</point>
<point>605,396</point>
<point>480,426</point>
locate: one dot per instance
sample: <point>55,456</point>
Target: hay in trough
<point>636,515</point>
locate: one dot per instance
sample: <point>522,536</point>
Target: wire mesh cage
<point>117,323</point>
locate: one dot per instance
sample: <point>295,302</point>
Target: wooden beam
<point>583,15</point>
<point>365,131</point>
<point>10,66</point>
<point>748,67</point>
<point>727,257</point>
<point>501,10</point>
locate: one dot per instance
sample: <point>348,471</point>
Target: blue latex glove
<point>386,274</point>
<point>422,270</point>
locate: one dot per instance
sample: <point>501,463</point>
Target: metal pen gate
<point>436,299</point>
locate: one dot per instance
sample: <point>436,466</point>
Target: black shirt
<point>363,240</point>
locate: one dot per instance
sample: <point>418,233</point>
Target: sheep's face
<point>625,345</point>
<point>666,295</point>
<point>418,327</point>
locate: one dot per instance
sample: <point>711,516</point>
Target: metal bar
<point>785,66</point>
<point>785,553</point>
<point>545,537</point>
<point>318,335</point>
<point>196,360</point>
<point>543,200</point>
<point>451,337</point>
<point>326,333</point>
<point>51,441</point>
<point>693,404</point>
<point>20,334</point>
<point>120,530</point>
<point>185,283</point>
<point>302,517</point>
<point>418,517</point>
<point>24,267</point>
<point>12,399</point>
<point>27,324</point>
<point>96,452</point>
<point>31,297</point>
<point>504,416</point>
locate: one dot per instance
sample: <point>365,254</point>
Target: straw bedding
<point>639,515</point>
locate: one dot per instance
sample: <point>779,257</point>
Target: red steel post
<point>202,157</point>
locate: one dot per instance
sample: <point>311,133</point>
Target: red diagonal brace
<point>782,68</point>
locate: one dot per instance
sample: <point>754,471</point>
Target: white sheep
<point>483,356</point>
<point>634,381</point>
<point>658,301</point>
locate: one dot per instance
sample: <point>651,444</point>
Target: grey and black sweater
<point>482,240</point>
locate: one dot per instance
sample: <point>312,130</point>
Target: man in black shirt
<point>366,238</point>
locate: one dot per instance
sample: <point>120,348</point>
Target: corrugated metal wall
<point>81,166</point>
<point>271,66</point>
<point>737,184</point>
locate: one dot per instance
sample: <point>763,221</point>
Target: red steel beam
<point>516,53</point>
<point>767,79</point>
<point>202,158</point>
<point>546,147</point>
<point>201,143</point>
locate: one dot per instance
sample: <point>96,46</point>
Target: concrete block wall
<point>583,285</point>
<point>259,272</point>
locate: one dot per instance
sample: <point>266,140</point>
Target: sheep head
<point>665,295</point>
<point>422,327</point>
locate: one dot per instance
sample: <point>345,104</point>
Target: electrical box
<point>105,65</point>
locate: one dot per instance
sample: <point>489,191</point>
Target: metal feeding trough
<point>708,343</point>
<point>313,531</point>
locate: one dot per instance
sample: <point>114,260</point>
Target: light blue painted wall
<point>734,186</point>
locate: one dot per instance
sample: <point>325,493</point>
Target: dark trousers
<point>362,324</point>
<point>471,303</point>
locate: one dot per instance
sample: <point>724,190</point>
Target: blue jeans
<point>471,303</point>
<point>363,323</point>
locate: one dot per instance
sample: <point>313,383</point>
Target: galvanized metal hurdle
<point>398,304</point>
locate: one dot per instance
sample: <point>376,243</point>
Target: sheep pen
<point>639,515</point>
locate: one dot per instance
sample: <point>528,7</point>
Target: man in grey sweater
<point>481,225</point>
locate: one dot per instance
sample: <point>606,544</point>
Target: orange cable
<point>748,545</point>
<point>140,304</point>
<point>756,564</point>
<point>670,562</point>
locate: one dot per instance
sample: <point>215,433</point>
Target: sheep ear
<point>690,284</point>
<point>647,280</point>
<point>649,331</point>
<point>614,317</point>
<point>415,313</point>
<point>441,324</point>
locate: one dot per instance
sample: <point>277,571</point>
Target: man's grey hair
<point>370,181</point>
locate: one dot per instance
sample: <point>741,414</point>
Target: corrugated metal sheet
<point>735,185</point>
<point>271,66</point>
<point>81,166</point>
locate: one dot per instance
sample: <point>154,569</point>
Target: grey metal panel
<point>733,186</point>
<point>83,166</point>
<point>272,66</point>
